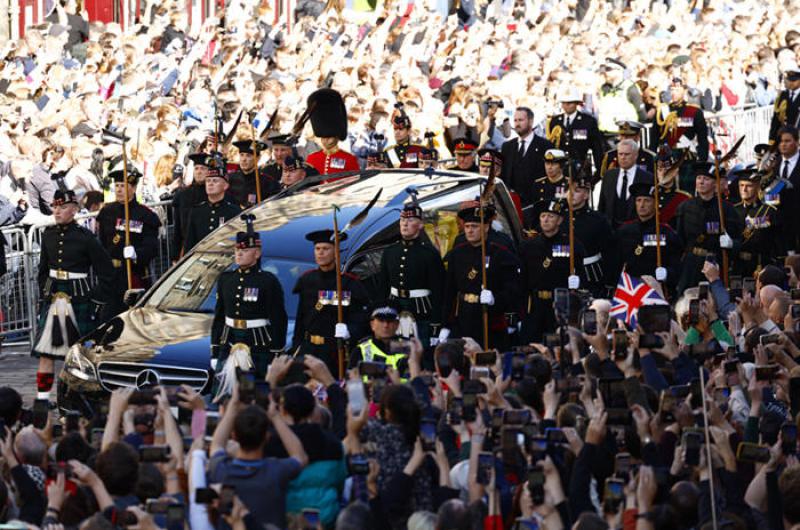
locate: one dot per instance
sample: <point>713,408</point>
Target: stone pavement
<point>18,370</point>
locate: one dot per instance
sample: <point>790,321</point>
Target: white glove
<point>342,332</point>
<point>661,274</point>
<point>487,298</point>
<point>573,282</point>
<point>725,241</point>
<point>129,252</point>
<point>443,334</point>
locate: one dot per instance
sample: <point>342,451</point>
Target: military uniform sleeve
<point>44,266</point>
<point>701,129</point>
<point>177,234</point>
<point>436,273</point>
<point>299,319</point>
<point>450,291</point>
<point>358,314</point>
<point>105,227</point>
<point>597,144</point>
<point>383,276</point>
<point>148,247</point>
<point>219,313</point>
<point>103,269</point>
<point>508,275</point>
<point>191,236</point>
<point>734,225</point>
<point>278,317</point>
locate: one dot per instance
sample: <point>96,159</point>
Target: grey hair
<point>633,144</point>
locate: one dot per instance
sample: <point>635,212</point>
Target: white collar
<point>792,160</point>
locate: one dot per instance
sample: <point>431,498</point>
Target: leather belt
<point>316,340</point>
<point>238,323</point>
<point>702,252</point>
<point>409,293</point>
<point>544,295</point>
<point>66,275</point>
<point>471,298</point>
<point>593,259</point>
<point>747,256</point>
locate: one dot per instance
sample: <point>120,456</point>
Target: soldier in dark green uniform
<point>243,182</point>
<point>316,327</point>
<point>216,211</point>
<point>412,276</point>
<point>700,231</point>
<point>282,147</point>
<point>596,236</point>
<point>143,248</point>
<point>464,296</point>
<point>68,304</point>
<point>250,320</point>
<point>545,267</point>
<point>636,241</point>
<point>187,198</point>
<point>554,185</point>
<point>761,238</point>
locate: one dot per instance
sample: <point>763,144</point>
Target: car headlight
<point>79,366</point>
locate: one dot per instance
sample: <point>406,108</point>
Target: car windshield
<point>192,286</point>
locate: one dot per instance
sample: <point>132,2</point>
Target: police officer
<point>464,296</point>
<point>594,232</point>
<point>209,215</point>
<point>637,241</point>
<point>68,304</point>
<point>404,153</point>
<point>316,328</point>
<point>243,182</point>
<point>554,184</point>
<point>464,149</point>
<point>187,198</point>
<point>787,105</point>
<point>250,320</point>
<point>412,276</point>
<point>143,228</point>
<point>545,267</point>
<point>700,230</point>
<point>377,348</point>
<point>628,130</point>
<point>669,196</point>
<point>761,237</point>
<point>575,132</point>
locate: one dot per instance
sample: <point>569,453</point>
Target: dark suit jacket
<point>608,193</point>
<point>519,173</point>
<point>788,212</point>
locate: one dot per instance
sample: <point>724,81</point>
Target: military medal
<point>116,239</point>
<point>546,263</point>
<point>639,249</point>
<point>473,273</point>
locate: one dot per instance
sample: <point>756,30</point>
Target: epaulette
<point>643,150</point>
<point>740,203</point>
<point>540,179</point>
<point>498,245</point>
<point>683,193</point>
<point>694,105</point>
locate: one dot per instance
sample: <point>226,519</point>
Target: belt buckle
<point>62,275</point>
<point>471,298</point>
<point>239,323</point>
<point>403,293</point>
<point>316,340</point>
<point>117,263</point>
<point>545,295</point>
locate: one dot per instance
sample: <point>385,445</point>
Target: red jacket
<point>337,162</point>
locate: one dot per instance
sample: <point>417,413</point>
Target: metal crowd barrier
<point>19,290</point>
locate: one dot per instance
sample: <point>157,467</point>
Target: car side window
<point>367,267</point>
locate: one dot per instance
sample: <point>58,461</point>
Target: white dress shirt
<point>792,163</point>
<point>631,175</point>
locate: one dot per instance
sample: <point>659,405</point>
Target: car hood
<point>149,334</point>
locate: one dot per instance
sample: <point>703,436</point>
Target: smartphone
<point>749,285</point>
<point>397,347</point>
<point>702,290</point>
<point>154,453</point>
<point>650,341</point>
<point>473,386</point>
<point>517,369</point>
<point>212,419</point>
<point>694,312</point>
<point>634,393</point>
<point>614,490</point>
<point>789,438</point>
<point>485,466</point>
<point>667,407</point>
<point>143,396</point>
<point>470,408</point>
<point>226,494</point>
<point>356,397</point>
<point>691,442</point>
<point>794,294</point>
<point>56,468</point>
<point>795,311</point>
<point>794,394</point>
<point>358,464</point>
<point>767,373</point>
<point>620,340</point>
<point>517,417</point>
<point>57,431</point>
<point>735,287</point>
<point>127,518</point>
<point>619,416</point>
<point>589,323</point>
<point>41,408</point>
<point>551,340</point>
<point>655,318</point>
<point>555,435</point>
<point>537,445</point>
<point>536,484</point>
<point>427,433</point>
<point>97,438</point>
<point>372,369</point>
<point>72,422</point>
<point>157,506</point>
<point>750,452</point>
<point>176,514</point>
<point>247,387</point>
<point>172,394</point>
<point>561,302</point>
<point>486,358</point>
<point>310,519</point>
<point>478,372</point>
<point>205,495</point>
<point>772,338</point>
<point>622,465</point>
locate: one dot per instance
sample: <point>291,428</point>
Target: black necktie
<point>623,194</point>
<point>521,148</point>
<point>785,173</point>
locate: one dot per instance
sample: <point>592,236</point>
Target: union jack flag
<point>631,294</point>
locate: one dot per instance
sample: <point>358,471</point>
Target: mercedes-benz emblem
<point>147,378</point>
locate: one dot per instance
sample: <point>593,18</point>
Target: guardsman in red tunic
<point>329,121</point>
<point>403,154</point>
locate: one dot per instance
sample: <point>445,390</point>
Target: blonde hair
<point>163,170</point>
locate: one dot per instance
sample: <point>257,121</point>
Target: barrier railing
<point>19,290</point>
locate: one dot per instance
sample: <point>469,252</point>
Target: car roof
<point>283,221</point>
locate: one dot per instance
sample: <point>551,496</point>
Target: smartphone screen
<point>41,408</point>
<point>692,442</point>
<point>694,312</point>
<point>356,397</point>
<point>590,322</point>
<point>789,438</point>
<point>427,432</point>
<point>485,465</point>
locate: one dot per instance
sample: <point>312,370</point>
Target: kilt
<point>76,295</point>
